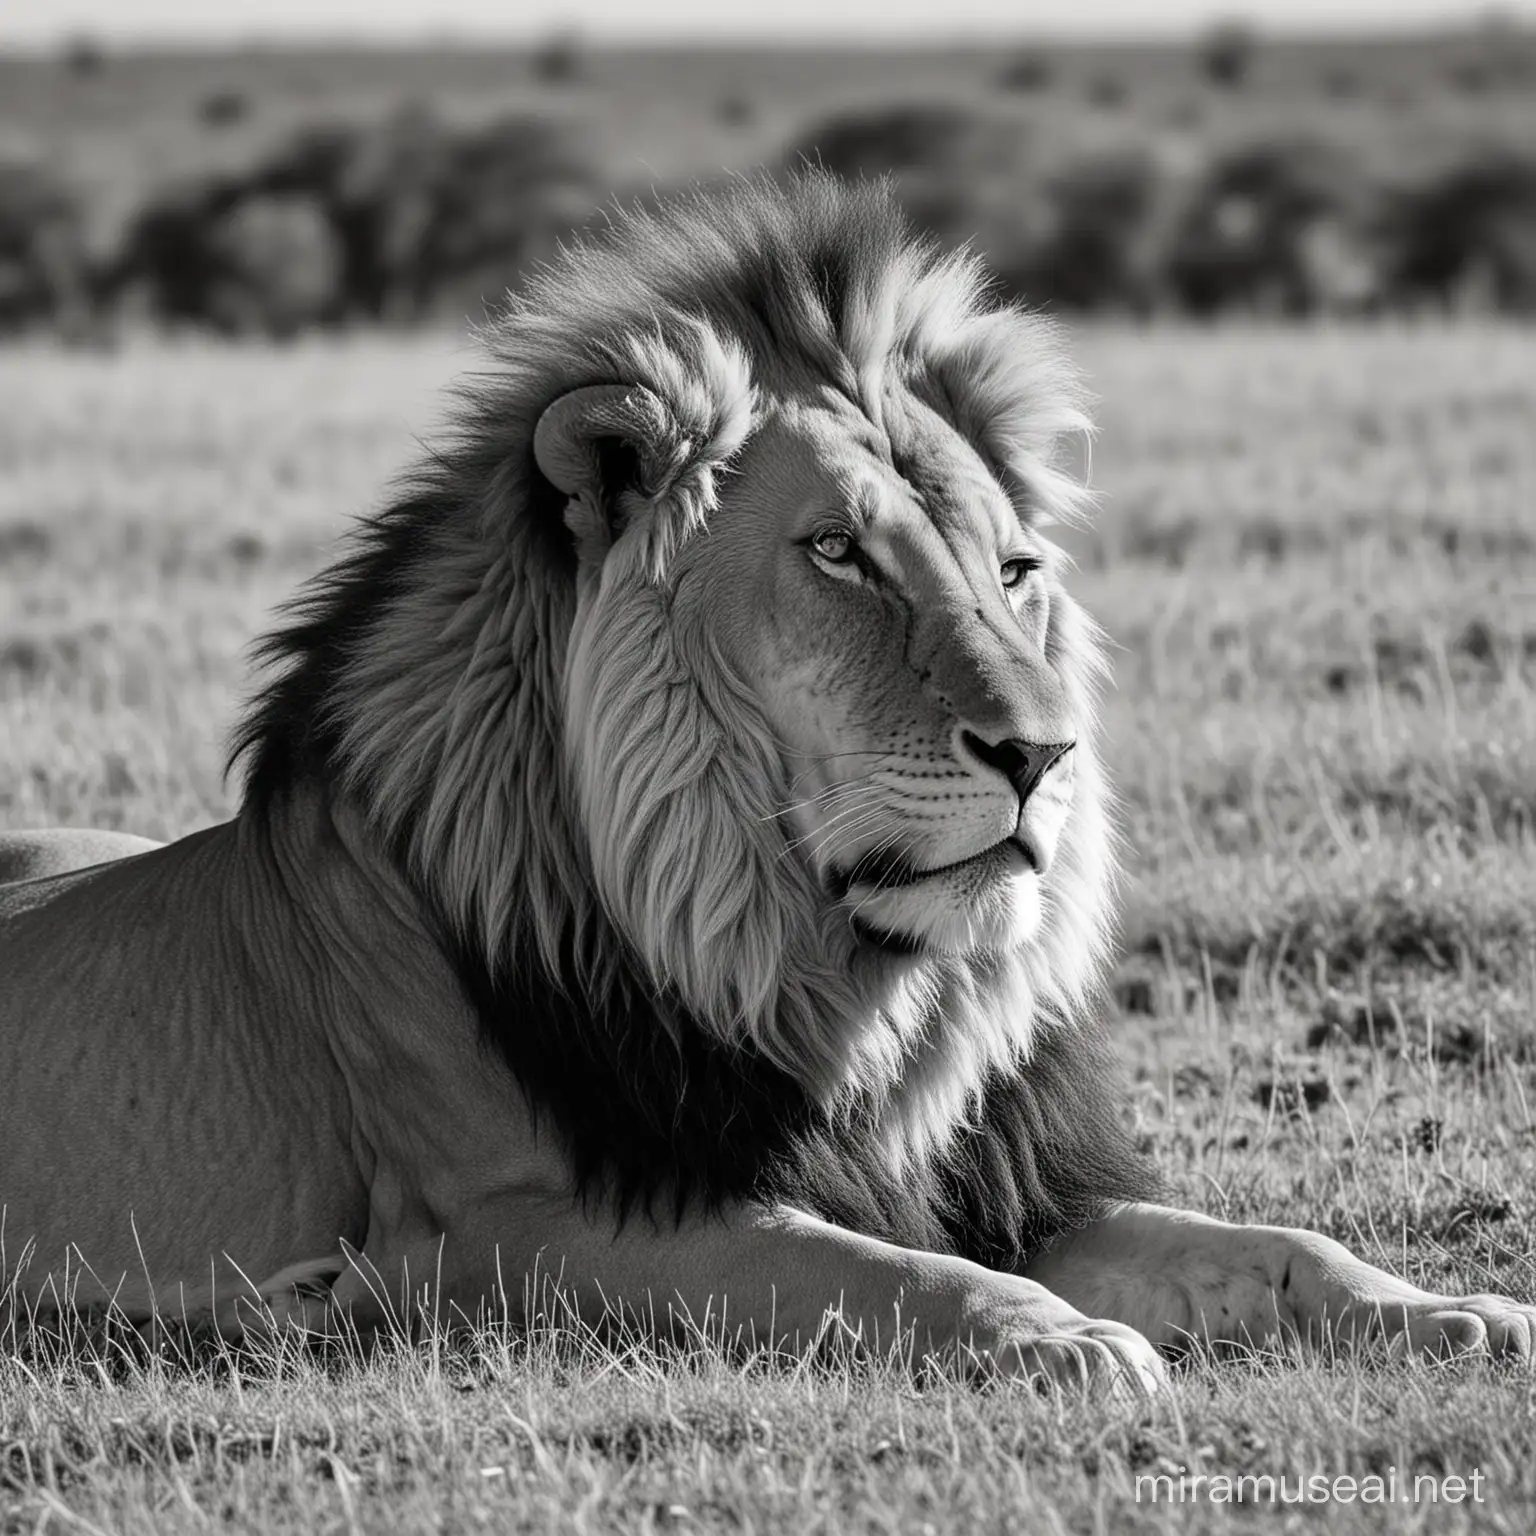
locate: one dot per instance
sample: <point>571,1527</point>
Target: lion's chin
<point>952,913</point>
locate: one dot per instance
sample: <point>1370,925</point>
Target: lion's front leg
<point>1176,1276</point>
<point>769,1275</point>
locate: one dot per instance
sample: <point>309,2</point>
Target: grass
<point>1316,555</point>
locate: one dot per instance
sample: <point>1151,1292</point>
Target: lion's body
<point>328,1088</point>
<point>685,796</point>
<point>152,1060</point>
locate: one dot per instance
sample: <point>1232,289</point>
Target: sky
<point>34,22</point>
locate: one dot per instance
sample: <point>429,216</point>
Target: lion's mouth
<point>895,871</point>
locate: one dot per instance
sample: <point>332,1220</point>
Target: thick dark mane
<point>285,736</point>
<point>419,678</point>
<point>290,732</point>
<point>665,1114</point>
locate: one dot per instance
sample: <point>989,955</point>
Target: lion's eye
<point>1017,571</point>
<point>833,545</point>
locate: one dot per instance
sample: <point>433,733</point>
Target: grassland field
<point>1316,553</point>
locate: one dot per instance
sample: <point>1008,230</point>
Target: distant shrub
<point>1027,72</point>
<point>558,59</point>
<point>1227,53</point>
<point>412,215</point>
<point>1102,247</point>
<point>955,167</point>
<point>962,174</point>
<point>1466,234</point>
<point>1281,226</point>
<point>224,108</point>
<point>905,137</point>
<point>433,215</point>
<point>243,260</point>
<point>506,194</point>
<point>383,221</point>
<point>382,184</point>
<point>44,273</point>
<point>276,266</point>
<point>83,55</point>
<point>163,266</point>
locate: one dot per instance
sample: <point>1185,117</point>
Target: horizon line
<point>452,39</point>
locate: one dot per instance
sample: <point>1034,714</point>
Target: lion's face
<point>878,592</point>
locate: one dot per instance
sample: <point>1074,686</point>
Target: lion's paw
<point>1019,1329</point>
<point>1446,1327</point>
<point>1095,1356</point>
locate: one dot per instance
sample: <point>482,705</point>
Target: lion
<point>673,860</point>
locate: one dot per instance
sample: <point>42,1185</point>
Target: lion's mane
<point>582,813</point>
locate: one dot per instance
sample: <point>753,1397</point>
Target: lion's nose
<point>1022,763</point>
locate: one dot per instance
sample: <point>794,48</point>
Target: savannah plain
<point>1315,551</point>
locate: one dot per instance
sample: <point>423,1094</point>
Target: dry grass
<point>1318,552</point>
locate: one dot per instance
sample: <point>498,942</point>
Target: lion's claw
<point>1446,1327</point>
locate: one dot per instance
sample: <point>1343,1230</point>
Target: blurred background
<point>269,167</point>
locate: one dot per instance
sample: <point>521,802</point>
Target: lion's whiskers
<point>876,818</point>
<point>832,791</point>
<point>826,757</point>
<point>850,818</point>
<point>825,800</point>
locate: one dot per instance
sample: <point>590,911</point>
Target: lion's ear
<point>601,442</point>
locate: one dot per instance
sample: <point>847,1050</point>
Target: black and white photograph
<point>767,770</point>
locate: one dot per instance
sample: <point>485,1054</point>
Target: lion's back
<point>62,850</point>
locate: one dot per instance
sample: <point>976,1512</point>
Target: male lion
<point>672,859</point>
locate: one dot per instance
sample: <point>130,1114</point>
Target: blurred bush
<point>1104,245</point>
<point>243,260</point>
<point>389,221</point>
<point>1292,225</point>
<point>1227,53</point>
<point>1081,232</point>
<point>557,60</point>
<point>964,175</point>
<point>277,263</point>
<point>1465,235</point>
<point>500,198</point>
<point>44,272</point>
<point>83,55</point>
<point>1028,71</point>
<point>224,107</point>
<point>1281,227</point>
<point>412,215</point>
<point>944,154</point>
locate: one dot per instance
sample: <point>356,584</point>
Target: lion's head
<point>723,662</point>
<point>884,611</point>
